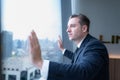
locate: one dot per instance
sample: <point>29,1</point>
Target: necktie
<point>76,50</point>
<point>75,54</point>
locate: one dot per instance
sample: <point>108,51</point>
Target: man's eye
<point>73,26</point>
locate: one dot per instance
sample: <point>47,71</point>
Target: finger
<point>34,38</point>
<point>31,45</point>
<point>30,41</point>
<point>59,40</point>
<point>59,37</point>
<point>33,42</point>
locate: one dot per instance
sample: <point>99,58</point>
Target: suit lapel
<point>77,54</point>
<point>81,48</point>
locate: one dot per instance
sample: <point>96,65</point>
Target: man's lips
<point>69,34</point>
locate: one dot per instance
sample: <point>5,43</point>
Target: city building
<point>7,44</point>
<point>19,68</point>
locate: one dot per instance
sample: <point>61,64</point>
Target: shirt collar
<point>81,42</point>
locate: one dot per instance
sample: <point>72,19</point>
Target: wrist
<point>39,64</point>
<point>62,49</point>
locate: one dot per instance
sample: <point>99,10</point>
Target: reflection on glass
<point>19,18</point>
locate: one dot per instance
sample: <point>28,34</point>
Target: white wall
<point>104,16</point>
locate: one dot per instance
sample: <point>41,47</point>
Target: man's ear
<point>84,28</point>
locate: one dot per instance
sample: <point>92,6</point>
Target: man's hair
<point>84,20</point>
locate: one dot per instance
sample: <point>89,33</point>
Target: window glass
<point>12,77</point>
<point>19,18</point>
<point>3,76</point>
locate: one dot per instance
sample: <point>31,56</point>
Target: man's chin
<point>70,39</point>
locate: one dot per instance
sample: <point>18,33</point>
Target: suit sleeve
<point>91,62</point>
<point>69,54</point>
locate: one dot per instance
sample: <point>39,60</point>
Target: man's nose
<point>68,29</point>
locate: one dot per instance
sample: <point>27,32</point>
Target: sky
<point>23,16</point>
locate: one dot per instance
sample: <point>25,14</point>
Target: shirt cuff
<point>63,51</point>
<point>44,70</point>
<point>41,78</point>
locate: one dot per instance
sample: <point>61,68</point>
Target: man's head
<point>78,27</point>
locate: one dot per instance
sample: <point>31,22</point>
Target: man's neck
<point>80,42</point>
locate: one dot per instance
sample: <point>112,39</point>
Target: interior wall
<point>105,18</point>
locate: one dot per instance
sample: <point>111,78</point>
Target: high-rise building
<point>7,44</point>
<point>19,68</point>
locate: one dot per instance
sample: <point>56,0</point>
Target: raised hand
<point>35,50</point>
<point>60,43</point>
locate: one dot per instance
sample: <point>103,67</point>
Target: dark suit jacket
<point>91,63</point>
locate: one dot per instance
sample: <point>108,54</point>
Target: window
<point>12,69</point>
<point>31,76</point>
<point>17,69</point>
<point>12,77</point>
<point>23,75</point>
<point>19,17</point>
<point>4,68</point>
<point>3,76</point>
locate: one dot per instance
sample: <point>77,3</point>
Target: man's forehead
<point>73,20</point>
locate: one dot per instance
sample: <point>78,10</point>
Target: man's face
<point>74,29</point>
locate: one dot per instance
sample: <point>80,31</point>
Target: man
<point>89,62</point>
